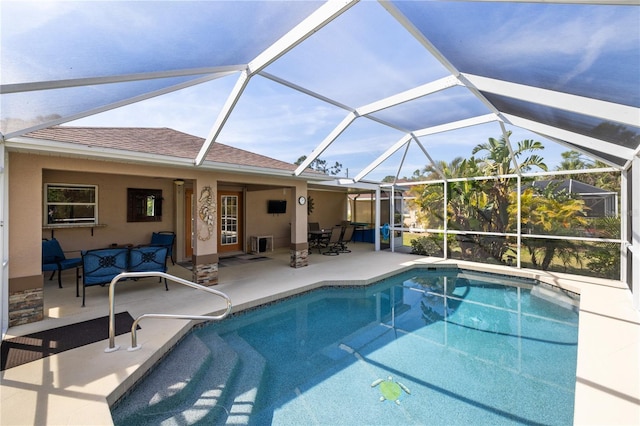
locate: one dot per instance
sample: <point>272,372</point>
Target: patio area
<point>77,386</point>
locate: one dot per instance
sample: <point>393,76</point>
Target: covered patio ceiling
<point>372,81</point>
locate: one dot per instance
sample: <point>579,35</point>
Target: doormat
<point>241,259</point>
<point>23,349</point>
<point>230,261</point>
<point>187,264</point>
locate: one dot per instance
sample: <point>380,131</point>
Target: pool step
<point>207,401</point>
<point>243,392</point>
<point>169,384</point>
<point>197,393</point>
<point>195,383</point>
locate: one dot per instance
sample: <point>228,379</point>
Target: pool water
<point>442,347</point>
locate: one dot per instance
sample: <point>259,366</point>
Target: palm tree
<point>552,213</point>
<point>497,161</point>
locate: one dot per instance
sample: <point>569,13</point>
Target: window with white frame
<point>70,204</point>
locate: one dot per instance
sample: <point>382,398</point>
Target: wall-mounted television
<point>276,206</point>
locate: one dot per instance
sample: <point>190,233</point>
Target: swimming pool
<point>423,347</point>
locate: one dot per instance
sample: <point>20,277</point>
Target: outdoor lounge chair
<point>53,259</point>
<point>165,239</point>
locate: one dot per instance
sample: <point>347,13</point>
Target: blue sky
<point>362,56</point>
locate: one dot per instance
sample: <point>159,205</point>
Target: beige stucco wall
<point>25,215</point>
<point>29,172</point>
<point>329,208</point>
<point>259,222</point>
<point>112,205</point>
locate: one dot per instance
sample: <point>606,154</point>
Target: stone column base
<point>299,258</point>
<point>205,274</point>
<point>26,306</point>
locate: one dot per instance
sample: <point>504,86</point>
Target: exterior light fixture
<point>178,182</point>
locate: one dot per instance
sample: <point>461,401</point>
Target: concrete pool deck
<point>76,387</point>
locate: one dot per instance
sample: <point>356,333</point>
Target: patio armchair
<point>165,239</point>
<point>54,259</point>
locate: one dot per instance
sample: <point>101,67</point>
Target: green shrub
<point>427,246</point>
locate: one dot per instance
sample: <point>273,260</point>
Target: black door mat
<point>23,349</point>
<point>230,261</point>
<point>241,259</point>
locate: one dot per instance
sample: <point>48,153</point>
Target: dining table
<point>319,239</point>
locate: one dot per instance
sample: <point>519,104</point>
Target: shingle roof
<point>157,141</point>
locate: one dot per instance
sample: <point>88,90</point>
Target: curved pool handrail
<point>112,289</point>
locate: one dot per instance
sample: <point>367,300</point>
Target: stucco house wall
<point>28,172</point>
<point>329,208</point>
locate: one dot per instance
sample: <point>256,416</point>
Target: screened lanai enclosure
<point>457,107</point>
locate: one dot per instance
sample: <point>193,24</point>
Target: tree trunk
<point>548,257</point>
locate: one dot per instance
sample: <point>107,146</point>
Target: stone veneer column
<point>205,269</point>
<point>26,300</point>
<point>26,306</point>
<point>299,255</point>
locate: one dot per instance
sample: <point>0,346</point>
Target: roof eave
<point>42,146</point>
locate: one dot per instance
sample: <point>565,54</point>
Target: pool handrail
<point>112,289</point>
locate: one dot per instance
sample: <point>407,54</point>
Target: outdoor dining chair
<point>347,236</point>
<point>334,242</point>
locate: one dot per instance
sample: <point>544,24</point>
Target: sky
<point>362,56</point>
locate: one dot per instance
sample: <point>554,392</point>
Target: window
<point>144,205</point>
<point>67,204</point>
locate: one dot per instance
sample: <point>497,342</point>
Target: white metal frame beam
<point>124,78</point>
<point>321,17</point>
<point>389,152</point>
<point>487,118</point>
<point>409,95</point>
<point>4,241</point>
<point>337,131</point>
<point>579,104</point>
<point>455,125</point>
<point>118,104</point>
<point>635,232</point>
<point>435,166</point>
<point>586,142</point>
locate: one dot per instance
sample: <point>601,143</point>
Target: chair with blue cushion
<point>165,239</point>
<point>148,259</point>
<point>100,266</point>
<point>53,259</point>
